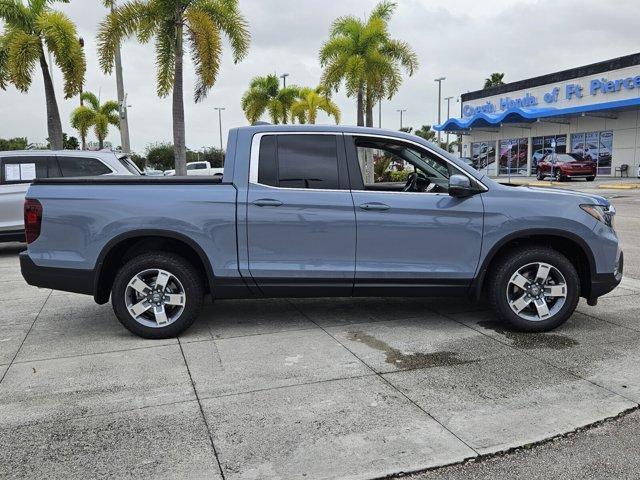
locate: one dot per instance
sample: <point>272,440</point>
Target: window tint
<point>82,167</point>
<point>308,161</point>
<point>267,167</point>
<point>23,169</point>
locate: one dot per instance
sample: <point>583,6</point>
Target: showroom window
<point>483,154</point>
<point>595,146</point>
<point>513,156</point>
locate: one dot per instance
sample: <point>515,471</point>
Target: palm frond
<point>384,10</point>
<point>226,16</point>
<point>109,107</point>
<point>82,119</point>
<point>4,57</point>
<point>23,51</point>
<point>165,62</point>
<point>61,38</point>
<point>132,17</point>
<point>15,14</point>
<point>91,99</point>
<point>206,50</point>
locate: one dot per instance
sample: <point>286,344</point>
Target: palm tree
<point>310,101</point>
<point>256,100</point>
<point>124,121</point>
<point>494,80</point>
<point>363,56</point>
<point>28,30</point>
<point>96,115</point>
<point>427,133</point>
<point>265,95</point>
<point>201,23</point>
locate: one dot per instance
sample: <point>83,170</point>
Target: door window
<point>82,167</point>
<point>299,161</point>
<point>390,166</point>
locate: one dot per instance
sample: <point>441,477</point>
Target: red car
<point>565,166</point>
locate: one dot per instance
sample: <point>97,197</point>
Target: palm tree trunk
<point>54,125</point>
<point>100,143</point>
<point>369,107</point>
<point>124,121</point>
<point>361,106</point>
<point>179,141</point>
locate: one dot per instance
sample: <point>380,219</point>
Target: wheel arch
<point>126,245</point>
<point>570,245</point>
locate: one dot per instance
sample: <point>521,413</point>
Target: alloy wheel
<point>155,298</point>
<point>536,291</point>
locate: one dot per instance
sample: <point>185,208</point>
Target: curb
<point>620,186</point>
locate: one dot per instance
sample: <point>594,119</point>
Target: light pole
<point>284,79</point>
<point>439,80</point>
<point>220,109</point>
<point>401,112</point>
<point>448,99</point>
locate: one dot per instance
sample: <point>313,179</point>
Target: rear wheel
<point>539,175</point>
<point>157,295</point>
<point>534,289</point>
<point>590,179</point>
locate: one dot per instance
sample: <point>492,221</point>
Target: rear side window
<point>23,169</point>
<point>299,161</point>
<point>82,167</point>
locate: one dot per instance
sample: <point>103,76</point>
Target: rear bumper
<point>66,279</point>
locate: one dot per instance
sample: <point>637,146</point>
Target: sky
<point>462,40</point>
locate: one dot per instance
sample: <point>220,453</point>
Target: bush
<point>399,176</point>
<point>18,143</point>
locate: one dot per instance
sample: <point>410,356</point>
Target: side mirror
<point>460,186</point>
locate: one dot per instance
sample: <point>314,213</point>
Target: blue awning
<point>531,115</point>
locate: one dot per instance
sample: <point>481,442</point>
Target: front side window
<point>82,167</point>
<point>299,161</point>
<point>389,166</point>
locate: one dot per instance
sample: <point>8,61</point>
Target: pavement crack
<point>25,336</point>
<point>204,417</point>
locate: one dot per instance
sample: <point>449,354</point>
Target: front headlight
<point>602,213</point>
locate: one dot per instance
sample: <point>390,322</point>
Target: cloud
<point>463,40</point>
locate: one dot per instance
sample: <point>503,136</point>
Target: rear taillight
<point>32,219</point>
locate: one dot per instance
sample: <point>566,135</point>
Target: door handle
<point>375,206</point>
<point>267,202</point>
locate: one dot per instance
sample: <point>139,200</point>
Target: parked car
<point>19,168</point>
<point>294,217</point>
<point>200,169</point>
<point>565,166</point>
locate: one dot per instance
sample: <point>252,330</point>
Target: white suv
<point>19,168</point>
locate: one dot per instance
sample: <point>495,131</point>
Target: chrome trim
<point>255,157</point>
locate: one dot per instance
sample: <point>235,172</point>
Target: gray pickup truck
<point>314,211</point>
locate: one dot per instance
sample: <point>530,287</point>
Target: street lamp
<point>220,109</point>
<point>448,99</point>
<point>439,80</point>
<point>401,112</point>
<point>284,79</point>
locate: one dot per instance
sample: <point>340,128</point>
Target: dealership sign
<point>568,92</point>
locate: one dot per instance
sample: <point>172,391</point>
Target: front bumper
<point>603,283</point>
<point>66,279</point>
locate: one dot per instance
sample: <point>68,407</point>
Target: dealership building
<point>592,110</point>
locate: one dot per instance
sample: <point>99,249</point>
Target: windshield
<point>129,165</point>
<point>566,158</point>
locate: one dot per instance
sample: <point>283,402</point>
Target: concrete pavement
<point>331,388</point>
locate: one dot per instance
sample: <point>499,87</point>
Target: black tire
<point>539,175</point>
<point>182,270</point>
<point>590,179</point>
<point>507,266</point>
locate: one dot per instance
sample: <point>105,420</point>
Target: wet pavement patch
<point>407,360</point>
<point>530,341</point>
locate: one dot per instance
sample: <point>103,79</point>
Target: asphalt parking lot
<point>322,388</point>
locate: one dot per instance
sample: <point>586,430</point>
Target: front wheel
<point>157,295</point>
<point>534,289</point>
<point>591,179</point>
<point>540,175</point>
